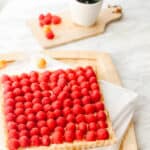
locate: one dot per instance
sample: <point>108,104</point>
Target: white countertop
<point>127,40</point>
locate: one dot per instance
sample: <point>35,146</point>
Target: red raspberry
<point>84,91</point>
<point>5,78</point>
<point>57,90</point>
<point>47,107</point>
<point>28,110</point>
<point>8,109</point>
<point>67,111</point>
<point>86,100</point>
<point>79,135</point>
<point>70,126</point>
<point>101,115</point>
<point>19,105</point>
<point>26,89</point>
<point>56,19</point>
<point>10,117</point>
<point>92,126</point>
<point>70,118</point>
<point>71,76</point>
<point>46,93</point>
<point>51,124</point>
<point>30,124</point>
<point>89,73</point>
<point>21,119</point>
<point>37,94</point>
<point>19,99</point>
<point>59,129</point>
<point>10,102</point>
<point>44,86</point>
<point>53,77</point>
<point>13,144</point>
<point>61,82</point>
<point>77,109</point>
<point>90,118</point>
<point>57,137</point>
<point>50,35</point>
<point>41,123</point>
<point>45,140</point>
<point>35,87</point>
<point>31,117</point>
<point>28,96</point>
<point>89,108</point>
<point>24,133</point>
<point>102,124</point>
<point>19,111</point>
<point>57,113</point>
<point>25,81</point>
<point>69,136</point>
<point>44,130</point>
<point>50,114</point>
<point>67,103</point>
<point>81,79</point>
<point>77,101</point>
<point>75,94</point>
<point>80,118</point>
<point>41,17</point>
<point>82,127</point>
<point>94,86</point>
<point>21,126</point>
<point>11,125</point>
<point>102,134</point>
<point>95,95</point>
<point>56,105</point>
<point>40,115</point>
<point>91,136</point>
<point>92,79</point>
<point>62,95</point>
<point>61,121</point>
<point>53,97</point>
<point>13,134</point>
<point>37,107</point>
<point>36,100</point>
<point>16,84</point>
<point>28,104</point>
<point>35,140</point>
<point>34,131</point>
<point>84,84</point>
<point>24,141</point>
<point>99,106</point>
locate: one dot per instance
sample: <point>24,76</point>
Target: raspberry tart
<point>62,109</point>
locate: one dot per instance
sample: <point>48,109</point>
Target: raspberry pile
<point>45,21</point>
<point>53,107</point>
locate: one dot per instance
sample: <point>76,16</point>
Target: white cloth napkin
<point>119,101</point>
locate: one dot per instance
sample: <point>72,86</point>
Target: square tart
<point>54,110</point>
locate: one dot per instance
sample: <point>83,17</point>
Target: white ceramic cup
<point>84,14</point>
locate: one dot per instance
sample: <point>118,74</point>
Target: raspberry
<point>84,84</point>
<point>66,111</point>
<point>59,129</point>
<point>92,126</point>
<point>70,118</point>
<point>102,124</point>
<point>37,107</point>
<point>28,110</point>
<point>10,101</point>
<point>28,96</point>
<point>80,118</point>
<point>70,126</point>
<point>57,90</point>
<point>92,79</point>
<point>84,91</point>
<point>10,117</point>
<point>44,130</point>
<point>50,35</point>
<point>69,136</point>
<point>30,124</point>
<point>24,133</point>
<point>56,105</point>
<point>44,86</point>
<point>36,100</point>
<point>24,141</point>
<point>101,115</point>
<point>41,123</point>
<point>31,117</point>
<point>77,101</point>
<point>45,140</point>
<point>89,73</point>
<point>28,104</point>
<point>13,144</point>
<point>81,79</point>
<point>50,115</point>
<point>67,103</point>
<point>41,17</point>
<point>15,84</point>
<point>86,100</point>
<point>21,119</point>
<point>62,95</point>
<point>57,113</point>
<point>56,19</point>
<point>75,94</point>
<point>95,95</point>
<point>11,125</point>
<point>61,121</point>
<point>21,126</point>
<point>13,134</point>
<point>46,93</point>
<point>77,109</point>
<point>102,134</point>
<point>26,89</point>
<point>79,135</point>
<point>40,115</point>
<point>82,127</point>
<point>71,76</point>
<point>35,140</point>
<point>90,118</point>
<point>57,137</point>
<point>61,82</point>
<point>25,81</point>
<point>94,86</point>
<point>19,105</point>
<point>51,124</point>
<point>34,131</point>
<point>19,99</point>
<point>89,108</point>
<point>35,87</point>
<point>90,136</point>
<point>99,106</point>
<point>47,107</point>
<point>37,94</point>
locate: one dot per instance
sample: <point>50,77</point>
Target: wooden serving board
<point>106,70</point>
<point>68,32</point>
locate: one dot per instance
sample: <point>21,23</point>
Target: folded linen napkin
<point>119,101</point>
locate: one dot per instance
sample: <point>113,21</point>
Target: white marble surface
<point>128,41</point>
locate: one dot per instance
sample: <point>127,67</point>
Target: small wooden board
<point>68,32</point>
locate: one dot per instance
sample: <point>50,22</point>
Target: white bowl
<point>85,14</point>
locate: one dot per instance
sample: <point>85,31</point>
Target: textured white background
<point>128,41</point>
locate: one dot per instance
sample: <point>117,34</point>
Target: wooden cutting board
<point>106,70</point>
<point>67,31</point>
